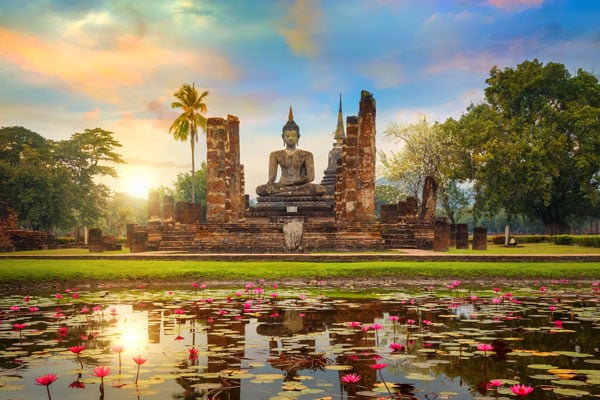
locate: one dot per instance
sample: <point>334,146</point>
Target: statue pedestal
<point>306,208</point>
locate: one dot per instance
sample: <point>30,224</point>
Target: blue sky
<point>68,65</point>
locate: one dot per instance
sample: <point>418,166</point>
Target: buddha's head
<point>290,126</point>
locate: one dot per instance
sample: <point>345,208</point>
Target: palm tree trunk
<point>193,170</point>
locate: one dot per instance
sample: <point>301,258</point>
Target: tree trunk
<point>507,234</point>
<point>556,227</point>
<point>193,170</point>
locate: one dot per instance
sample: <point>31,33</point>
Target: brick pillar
<point>216,170</point>
<point>139,242</point>
<point>480,238</point>
<point>462,236</point>
<point>153,206</point>
<point>95,240</point>
<point>168,210</point>
<point>365,188</point>
<point>441,235</point>
<point>340,188</point>
<point>348,199</point>
<point>130,228</point>
<point>235,189</point>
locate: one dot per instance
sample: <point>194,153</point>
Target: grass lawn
<point>29,272</point>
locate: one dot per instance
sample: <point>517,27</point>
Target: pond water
<point>263,342</point>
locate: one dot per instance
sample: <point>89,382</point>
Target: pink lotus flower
<point>396,347</point>
<point>485,348</point>
<point>351,379</point>
<point>46,380</point>
<point>354,324</point>
<point>521,390</point>
<point>139,361</point>
<point>378,366</point>
<point>410,321</point>
<point>76,349</point>
<point>394,318</point>
<point>376,327</point>
<point>101,372</point>
<point>495,383</point>
<point>193,354</point>
<point>19,327</point>
<point>558,324</point>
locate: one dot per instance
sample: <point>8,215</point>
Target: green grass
<point>30,272</point>
<point>531,248</point>
<point>82,271</point>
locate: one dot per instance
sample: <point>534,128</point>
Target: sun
<point>136,184</point>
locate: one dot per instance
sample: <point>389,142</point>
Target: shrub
<point>562,239</point>
<point>587,240</point>
<point>499,239</point>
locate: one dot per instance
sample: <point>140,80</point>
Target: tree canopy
<point>533,147</point>
<point>51,184</point>
<point>425,150</point>
<point>187,123</point>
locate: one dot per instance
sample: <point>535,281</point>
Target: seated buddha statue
<point>297,167</point>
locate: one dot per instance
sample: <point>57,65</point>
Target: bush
<point>65,241</point>
<point>499,239</point>
<point>563,239</point>
<point>587,240</point>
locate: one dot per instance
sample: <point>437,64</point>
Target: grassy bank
<point>44,271</point>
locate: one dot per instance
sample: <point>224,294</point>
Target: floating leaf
<point>570,392</point>
<point>541,366</point>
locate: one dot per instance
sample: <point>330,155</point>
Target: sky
<point>70,65</point>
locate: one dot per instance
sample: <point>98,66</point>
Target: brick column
<point>216,170</point>
<point>348,199</point>
<point>154,213</point>
<point>441,235</point>
<point>365,188</point>
<point>480,238</point>
<point>234,178</point>
<point>168,210</point>
<point>462,236</point>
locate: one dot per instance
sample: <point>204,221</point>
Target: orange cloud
<point>299,27</point>
<point>92,114</point>
<point>102,74</point>
<point>515,4</point>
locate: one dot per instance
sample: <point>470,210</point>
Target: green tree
<point>184,186</point>
<point>88,155</point>
<point>425,149</point>
<point>533,146</point>
<point>187,123</point>
<point>51,184</point>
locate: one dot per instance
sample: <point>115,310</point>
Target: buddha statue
<point>297,167</point>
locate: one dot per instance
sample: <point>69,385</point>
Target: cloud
<point>479,63</point>
<point>137,161</point>
<point>103,74</point>
<point>92,115</point>
<point>384,73</point>
<point>163,115</point>
<point>299,27</point>
<point>512,5</point>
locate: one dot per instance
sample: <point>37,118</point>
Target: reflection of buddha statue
<point>297,167</point>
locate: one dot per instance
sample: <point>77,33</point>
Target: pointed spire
<point>291,115</point>
<point>339,132</point>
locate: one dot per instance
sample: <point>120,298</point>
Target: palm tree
<point>187,124</point>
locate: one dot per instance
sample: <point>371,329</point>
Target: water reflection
<point>259,346</point>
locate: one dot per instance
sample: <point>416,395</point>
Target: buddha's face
<point>290,137</point>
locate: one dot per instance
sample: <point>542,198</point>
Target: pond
<point>262,341</point>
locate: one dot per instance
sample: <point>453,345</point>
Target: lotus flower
<point>521,390</point>
<point>46,380</point>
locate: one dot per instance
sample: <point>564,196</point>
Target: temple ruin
<point>339,214</point>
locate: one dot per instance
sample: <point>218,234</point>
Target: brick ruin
<point>344,219</point>
<point>13,239</point>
